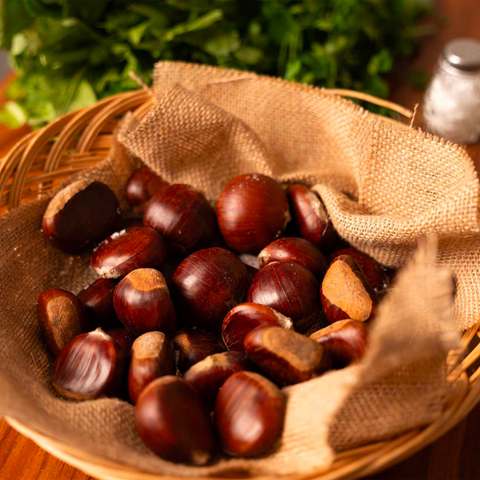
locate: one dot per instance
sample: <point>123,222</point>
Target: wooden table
<point>453,457</point>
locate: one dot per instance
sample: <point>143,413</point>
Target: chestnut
<point>183,216</point>
<point>153,356</point>
<point>285,356</point>
<point>173,422</point>
<point>127,250</point>
<point>243,318</point>
<point>311,218</point>
<point>372,270</point>
<point>252,211</point>
<point>80,216</point>
<point>290,289</point>
<point>141,187</point>
<point>208,375</point>
<point>207,284</point>
<point>345,341</point>
<point>249,414</point>
<point>92,365</point>
<point>296,250</point>
<point>98,301</point>
<point>142,302</point>
<point>193,345</point>
<point>124,338</point>
<point>61,317</point>
<point>345,292</point>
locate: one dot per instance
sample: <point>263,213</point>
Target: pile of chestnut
<point>198,317</point>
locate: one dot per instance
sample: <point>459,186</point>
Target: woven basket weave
<point>45,158</point>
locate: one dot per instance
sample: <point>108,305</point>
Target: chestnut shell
<point>252,211</point>
<point>183,216</point>
<point>92,365</point>
<point>80,216</point>
<point>125,251</point>
<point>290,289</point>
<point>206,285</point>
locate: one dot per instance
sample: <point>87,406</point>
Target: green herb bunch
<point>70,53</point>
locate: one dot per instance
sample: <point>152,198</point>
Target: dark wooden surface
<point>456,456</point>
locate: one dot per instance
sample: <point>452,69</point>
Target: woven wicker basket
<point>45,158</point>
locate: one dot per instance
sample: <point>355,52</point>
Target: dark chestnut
<point>98,300</point>
<point>173,422</point>
<point>124,338</point>
<point>207,284</point>
<point>153,356</point>
<point>311,218</point>
<point>252,211</point>
<point>210,374</point>
<point>345,341</point>
<point>296,250</point>
<point>183,216</point>
<point>243,318</point>
<point>372,270</point>
<point>127,250</point>
<point>92,365</point>
<point>285,356</point>
<point>80,216</point>
<point>249,414</point>
<point>345,292</point>
<point>61,317</point>
<point>193,345</point>
<point>142,302</point>
<point>290,289</point>
<point>141,187</point>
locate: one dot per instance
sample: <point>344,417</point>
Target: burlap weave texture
<point>386,186</point>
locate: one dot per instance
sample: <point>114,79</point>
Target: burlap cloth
<point>385,186</point>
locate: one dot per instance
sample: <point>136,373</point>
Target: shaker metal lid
<point>463,53</point>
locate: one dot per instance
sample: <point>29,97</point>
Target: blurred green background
<point>70,53</point>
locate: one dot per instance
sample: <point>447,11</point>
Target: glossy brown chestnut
<point>124,338</point>
<point>80,216</point>
<point>345,341</point>
<point>210,374</point>
<point>98,300</point>
<point>92,365</point>
<point>141,187</point>
<point>290,289</point>
<point>127,250</point>
<point>296,250</point>
<point>207,284</point>
<point>243,318</point>
<point>285,356</point>
<point>61,317</point>
<point>193,345</point>
<point>311,218</point>
<point>153,356</point>
<point>142,302</point>
<point>345,292</point>
<point>183,216</point>
<point>252,211</point>
<point>249,414</point>
<point>173,422</point>
<point>372,270</point>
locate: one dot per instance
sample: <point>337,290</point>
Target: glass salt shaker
<point>452,99</point>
